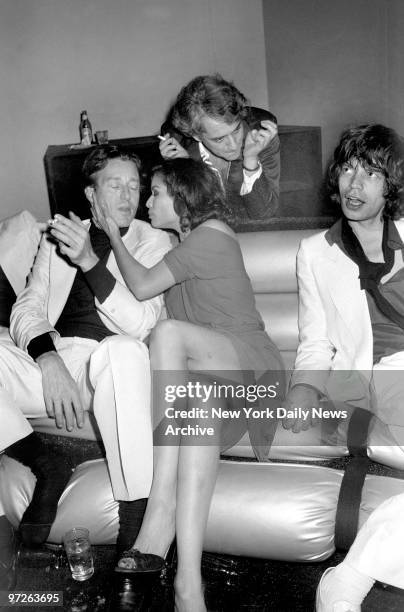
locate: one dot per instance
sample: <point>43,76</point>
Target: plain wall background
<point>326,63</point>
<point>122,60</point>
<point>312,62</point>
<point>394,65</point>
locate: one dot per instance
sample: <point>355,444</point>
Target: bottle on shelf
<point>86,131</point>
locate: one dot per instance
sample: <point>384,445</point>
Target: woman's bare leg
<point>158,526</point>
<point>187,474</point>
<point>197,473</point>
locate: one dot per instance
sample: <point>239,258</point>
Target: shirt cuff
<point>100,280</point>
<point>249,180</point>
<point>40,345</point>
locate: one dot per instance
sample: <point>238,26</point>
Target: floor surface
<point>231,584</point>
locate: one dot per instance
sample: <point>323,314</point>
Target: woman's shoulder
<point>218,225</point>
<point>210,238</point>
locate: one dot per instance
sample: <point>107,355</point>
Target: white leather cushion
<point>386,444</point>
<point>283,511</point>
<point>270,258</point>
<point>87,500</point>
<point>274,511</point>
<point>279,313</point>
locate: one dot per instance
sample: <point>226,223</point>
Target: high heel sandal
<point>146,563</point>
<point>142,563</point>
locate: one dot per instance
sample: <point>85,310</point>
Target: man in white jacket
<point>351,282</point>
<point>351,327</point>
<point>79,345</point>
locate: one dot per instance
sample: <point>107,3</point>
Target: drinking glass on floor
<point>78,551</point>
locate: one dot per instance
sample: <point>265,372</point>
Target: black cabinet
<point>301,204</point>
<point>63,166</point>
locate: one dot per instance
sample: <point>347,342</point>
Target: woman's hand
<point>170,148</point>
<point>103,220</point>
<point>256,141</point>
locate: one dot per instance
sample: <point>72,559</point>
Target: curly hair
<point>196,191</point>
<point>211,96</point>
<point>99,158</point>
<point>379,148</point>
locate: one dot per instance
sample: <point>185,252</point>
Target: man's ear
<point>89,191</point>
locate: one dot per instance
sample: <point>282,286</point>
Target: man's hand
<point>170,148</point>
<point>306,398</point>
<point>60,391</point>
<point>256,141</point>
<point>74,240</point>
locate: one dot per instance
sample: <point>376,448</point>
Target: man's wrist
<point>89,262</point>
<point>40,345</point>
<point>251,164</point>
<point>46,356</point>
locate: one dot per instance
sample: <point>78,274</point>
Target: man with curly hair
<point>351,286</point>
<point>212,121</point>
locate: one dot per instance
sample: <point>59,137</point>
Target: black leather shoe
<point>129,593</point>
<point>139,563</point>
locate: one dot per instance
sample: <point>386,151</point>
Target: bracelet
<point>257,167</point>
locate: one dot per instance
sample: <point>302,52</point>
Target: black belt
<point>350,495</point>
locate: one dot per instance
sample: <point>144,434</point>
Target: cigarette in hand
<point>53,221</point>
<point>161,137</point>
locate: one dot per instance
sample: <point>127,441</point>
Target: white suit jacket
<point>40,304</point>
<point>335,331</point>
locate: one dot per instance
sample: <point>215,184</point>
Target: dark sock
<point>52,473</point>
<point>130,520</point>
<point>27,449</point>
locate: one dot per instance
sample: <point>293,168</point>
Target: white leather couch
<point>277,510</point>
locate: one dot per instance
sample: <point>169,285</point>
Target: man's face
<point>224,140</point>
<point>116,187</point>
<point>361,191</point>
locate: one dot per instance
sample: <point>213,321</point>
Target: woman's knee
<point>166,333</point>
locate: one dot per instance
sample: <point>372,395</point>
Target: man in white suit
<point>351,324</point>
<point>79,345</point>
<point>351,279</point>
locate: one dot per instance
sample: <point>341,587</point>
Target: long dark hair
<point>196,190</point>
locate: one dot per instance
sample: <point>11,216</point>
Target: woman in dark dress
<point>213,329</point>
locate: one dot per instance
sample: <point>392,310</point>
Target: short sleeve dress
<point>213,290</point>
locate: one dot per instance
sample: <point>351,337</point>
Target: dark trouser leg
<point>130,519</point>
<point>7,555</point>
<point>52,474</point>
